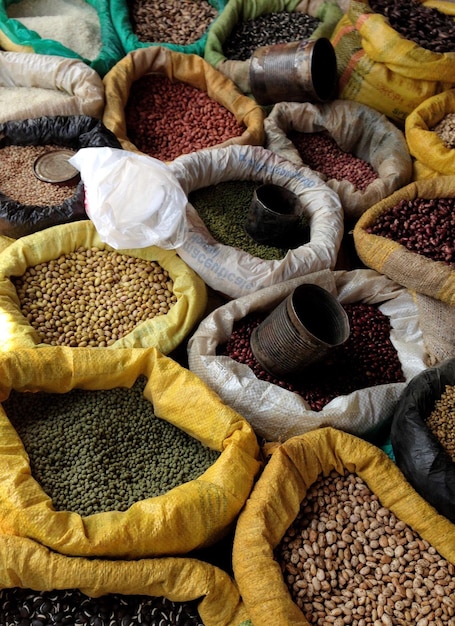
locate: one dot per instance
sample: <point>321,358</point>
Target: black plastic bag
<point>418,453</point>
<point>71,131</point>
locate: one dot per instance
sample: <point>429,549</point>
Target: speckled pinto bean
<point>445,129</point>
<point>368,357</point>
<point>180,22</point>
<point>166,119</point>
<point>103,450</point>
<point>426,26</point>
<point>349,561</point>
<point>441,420</point>
<point>71,607</point>
<point>321,153</point>
<point>424,226</point>
<point>92,297</point>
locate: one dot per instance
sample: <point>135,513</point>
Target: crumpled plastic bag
<point>133,200</point>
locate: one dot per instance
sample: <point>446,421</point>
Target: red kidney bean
<point>424,226</point>
<point>166,119</point>
<point>321,153</point>
<point>368,358</point>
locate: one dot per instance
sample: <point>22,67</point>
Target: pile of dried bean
<point>70,607</point>
<point>424,25</point>
<point>445,129</point>
<point>223,208</point>
<point>179,22</point>
<point>321,153</point>
<point>166,119</point>
<point>348,560</point>
<point>92,297</point>
<point>368,358</point>
<point>422,225</point>
<point>103,450</point>
<point>267,30</point>
<point>441,421</point>
<point>19,183</point>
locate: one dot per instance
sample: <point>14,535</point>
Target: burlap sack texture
<point>163,332</point>
<point>380,68</point>
<point>191,516</point>
<point>431,156</point>
<point>414,271</point>
<point>275,501</point>
<point>357,129</point>
<point>178,67</point>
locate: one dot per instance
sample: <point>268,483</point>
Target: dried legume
<point>368,358</point>
<point>424,226</point>
<point>266,30</point>
<point>166,119</point>
<point>441,420</point>
<point>445,129</point>
<point>19,183</point>
<point>223,209</point>
<point>92,297</point>
<point>180,22</point>
<point>347,559</point>
<point>26,607</point>
<point>321,153</point>
<point>426,26</point>
<point>103,450</point>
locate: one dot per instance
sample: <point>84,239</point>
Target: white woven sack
<point>277,414</point>
<point>234,272</point>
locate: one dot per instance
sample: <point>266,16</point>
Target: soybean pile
<point>347,559</point>
<point>368,357</point>
<point>103,450</point>
<point>26,607</point>
<point>441,420</point>
<point>223,209</point>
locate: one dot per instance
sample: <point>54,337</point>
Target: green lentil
<point>100,450</point>
<point>223,209</point>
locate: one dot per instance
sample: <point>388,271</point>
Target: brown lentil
<point>321,153</point>
<point>19,183</point>
<point>445,129</point>
<point>26,607</point>
<point>424,226</point>
<point>223,209</point>
<point>426,26</point>
<point>166,119</point>
<point>102,450</point>
<point>368,358</point>
<point>92,297</point>
<point>179,22</point>
<point>348,560</point>
<point>441,420</point>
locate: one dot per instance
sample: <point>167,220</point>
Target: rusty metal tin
<point>54,167</point>
<point>299,71</point>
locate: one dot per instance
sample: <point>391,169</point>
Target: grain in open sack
<point>34,85</point>
<point>381,68</point>
<point>378,551</point>
<point>408,236</point>
<point>73,29</point>
<point>187,74</point>
<point>190,515</point>
<point>39,584</point>
<point>64,286</point>
<point>369,158</point>
<point>274,408</point>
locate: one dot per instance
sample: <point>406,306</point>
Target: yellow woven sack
<point>386,256</point>
<point>380,68</point>
<point>186,68</point>
<point>164,332</point>
<point>27,564</point>
<point>275,502</point>
<point>432,156</point>
<point>192,515</point>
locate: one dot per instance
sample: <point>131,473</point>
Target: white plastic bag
<point>133,200</point>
